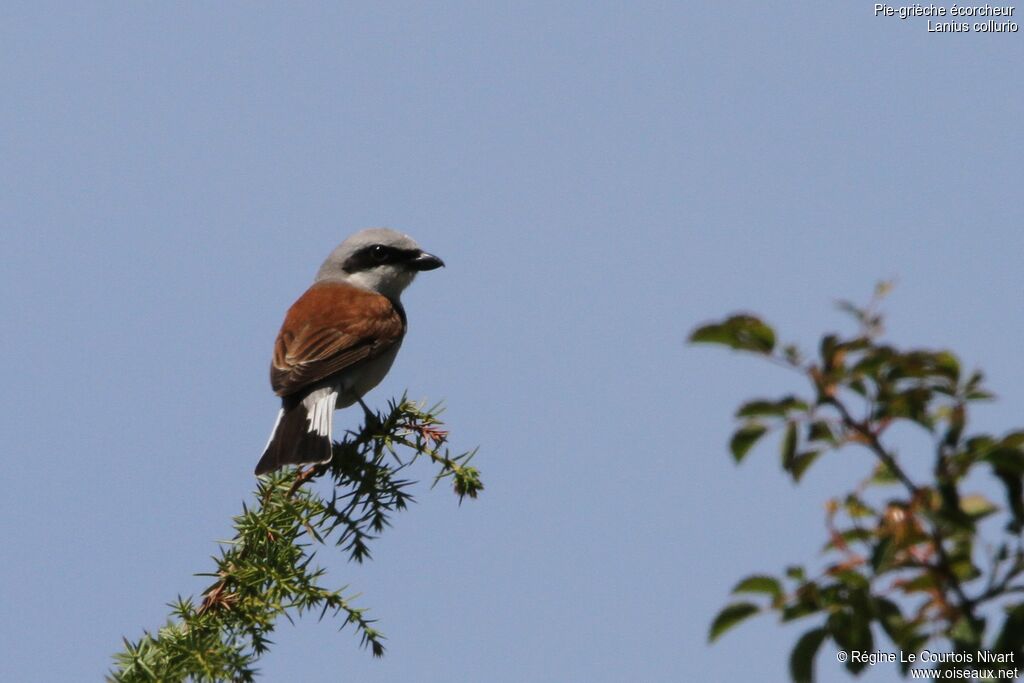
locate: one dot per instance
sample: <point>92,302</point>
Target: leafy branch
<point>912,564</point>
<point>266,570</point>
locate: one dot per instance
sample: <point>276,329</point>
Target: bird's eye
<point>379,252</point>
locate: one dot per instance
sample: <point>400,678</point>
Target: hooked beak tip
<point>427,261</point>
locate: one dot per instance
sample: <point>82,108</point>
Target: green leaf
<point>882,554</point>
<point>947,365</point>
<point>809,599</point>
<point>977,506</point>
<point>792,354</point>
<point>741,332</point>
<point>745,438</point>
<point>911,404</point>
<point>801,659</point>
<point>853,579</point>
<point>1014,497</point>
<point>923,582</point>
<point>883,475</point>
<point>798,610</point>
<point>1010,460</point>
<point>831,353</point>
<point>802,462</point>
<point>820,430</point>
<point>967,632</point>
<point>1013,440</point>
<point>858,386</point>
<point>872,363</point>
<point>789,446</point>
<point>850,308</point>
<point>964,569</point>
<point>1011,637</point>
<point>889,616</point>
<point>759,584</point>
<point>766,408</point>
<point>851,629</point>
<point>857,508</point>
<point>730,616</point>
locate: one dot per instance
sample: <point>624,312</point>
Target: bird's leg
<point>302,478</point>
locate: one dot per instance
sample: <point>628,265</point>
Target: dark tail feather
<point>293,441</point>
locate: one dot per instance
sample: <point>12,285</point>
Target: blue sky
<point>599,178</point>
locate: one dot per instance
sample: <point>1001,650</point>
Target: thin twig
<point>938,539</point>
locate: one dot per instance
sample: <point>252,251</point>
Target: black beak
<point>426,261</point>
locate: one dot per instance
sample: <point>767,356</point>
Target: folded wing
<point>330,328</point>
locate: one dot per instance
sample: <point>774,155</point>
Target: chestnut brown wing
<point>329,328</point>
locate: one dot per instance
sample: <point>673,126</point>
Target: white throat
<point>389,280</point>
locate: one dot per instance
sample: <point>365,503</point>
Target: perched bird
<point>339,340</point>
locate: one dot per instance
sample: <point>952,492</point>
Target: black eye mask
<point>377,255</point>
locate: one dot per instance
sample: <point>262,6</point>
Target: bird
<point>338,341</point>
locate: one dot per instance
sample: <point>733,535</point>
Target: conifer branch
<point>267,569</point>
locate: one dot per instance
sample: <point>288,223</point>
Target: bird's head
<point>378,259</point>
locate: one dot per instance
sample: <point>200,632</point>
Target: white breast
<point>364,376</point>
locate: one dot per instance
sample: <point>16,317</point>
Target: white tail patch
<point>320,410</point>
